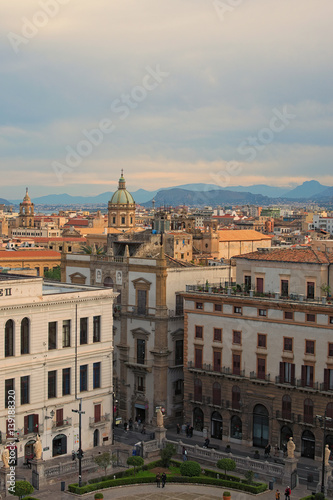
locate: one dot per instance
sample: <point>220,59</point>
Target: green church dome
<point>122,196</point>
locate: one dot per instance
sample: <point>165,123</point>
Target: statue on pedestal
<point>5,458</point>
<point>159,418</point>
<point>291,448</point>
<point>38,448</point>
<point>327,454</point>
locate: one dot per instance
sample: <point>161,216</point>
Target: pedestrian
<point>287,492</point>
<point>187,430</point>
<point>130,424</point>
<point>267,450</point>
<point>191,431</point>
<point>158,480</point>
<point>125,426</point>
<point>136,425</point>
<point>277,495</point>
<point>143,431</point>
<point>163,479</point>
<point>184,454</point>
<point>178,429</point>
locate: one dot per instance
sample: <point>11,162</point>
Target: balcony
<point>98,421</point>
<point>313,386</point>
<point>257,378</point>
<point>234,290</point>
<point>223,371</point>
<point>30,432</point>
<point>61,424</point>
<point>282,381</point>
<point>325,387</point>
<point>141,364</point>
<point>286,416</point>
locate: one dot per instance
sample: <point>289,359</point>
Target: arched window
<point>25,336</point>
<point>197,390</point>
<point>108,282</point>
<point>308,411</point>
<point>286,407</point>
<point>235,397</point>
<point>236,427</point>
<point>216,394</point>
<point>9,338</point>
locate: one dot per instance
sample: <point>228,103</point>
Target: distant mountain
<point>309,189</point>
<point>4,202</point>
<point>324,195</point>
<point>176,196</point>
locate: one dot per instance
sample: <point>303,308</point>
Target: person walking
<point>163,479</point>
<point>277,495</point>
<point>178,429</point>
<point>158,480</point>
<point>287,493</point>
<point>184,454</point>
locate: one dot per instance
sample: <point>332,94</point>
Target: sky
<point>231,92</point>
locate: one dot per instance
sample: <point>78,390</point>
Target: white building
<point>322,223</point>
<point>57,344</point>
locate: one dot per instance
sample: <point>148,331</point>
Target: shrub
<point>98,496</point>
<point>21,489</point>
<point>135,461</point>
<point>249,475</point>
<point>166,454</point>
<point>226,464</point>
<point>190,468</point>
<point>226,494</point>
<point>103,460</point>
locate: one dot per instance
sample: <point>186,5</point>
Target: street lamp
<point>324,419</point>
<point>49,416</point>
<point>80,453</point>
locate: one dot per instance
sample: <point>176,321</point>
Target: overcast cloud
<point>226,72</point>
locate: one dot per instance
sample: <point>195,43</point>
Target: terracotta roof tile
<point>242,235</point>
<point>306,255</point>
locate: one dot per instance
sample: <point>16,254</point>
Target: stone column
<point>4,478</point>
<point>328,480</point>
<point>289,467</point>
<point>160,435</point>
<point>37,466</point>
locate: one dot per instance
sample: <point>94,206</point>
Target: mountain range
<point>201,194</point>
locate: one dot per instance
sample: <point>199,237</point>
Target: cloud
<point>225,79</point>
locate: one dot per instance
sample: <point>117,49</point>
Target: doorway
<point>260,426</point>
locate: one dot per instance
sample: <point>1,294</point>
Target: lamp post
<point>80,453</point>
<point>324,419</point>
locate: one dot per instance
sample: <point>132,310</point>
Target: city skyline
<point>211,92</point>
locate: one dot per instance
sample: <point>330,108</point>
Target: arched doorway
<point>236,427</point>
<point>198,419</point>
<point>108,282</point>
<point>217,425</point>
<point>59,445</point>
<point>308,444</point>
<point>260,426</point>
<point>285,434</point>
<point>29,450</point>
<point>96,438</point>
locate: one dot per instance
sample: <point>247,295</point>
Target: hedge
<point>257,488</point>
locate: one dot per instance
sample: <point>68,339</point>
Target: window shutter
<point>26,424</point>
<point>326,378</point>
<point>36,422</point>
<point>59,416</point>
<point>303,375</point>
<point>281,372</point>
<point>292,374</point>
<point>311,376</point>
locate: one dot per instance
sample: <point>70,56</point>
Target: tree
<point>103,460</point>
<point>190,468</point>
<point>88,249</point>
<point>167,453</point>
<point>21,489</point>
<point>227,464</point>
<point>249,475</point>
<point>135,461</point>
<point>53,274</point>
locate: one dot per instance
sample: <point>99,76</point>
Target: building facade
<point>258,367</point>
<point>57,347</point>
